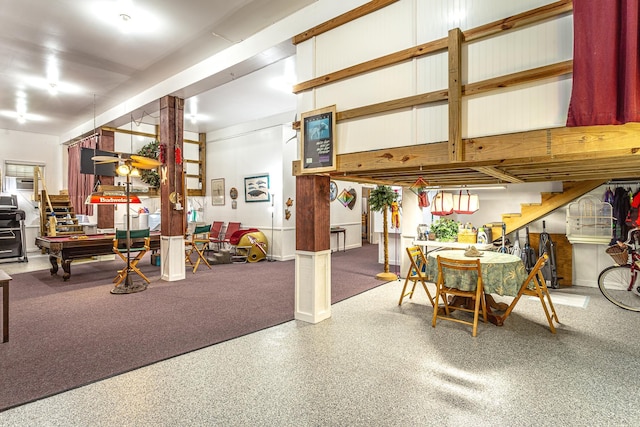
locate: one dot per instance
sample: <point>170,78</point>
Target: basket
<point>619,254</point>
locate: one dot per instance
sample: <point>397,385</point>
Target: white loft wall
<point>411,22</point>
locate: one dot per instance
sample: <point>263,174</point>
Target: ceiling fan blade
<point>146,160</point>
<point>105,159</point>
<point>143,165</point>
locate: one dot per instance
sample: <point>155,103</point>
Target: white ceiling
<point>99,66</point>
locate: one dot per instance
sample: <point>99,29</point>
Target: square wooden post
<point>313,252</point>
<point>172,192</point>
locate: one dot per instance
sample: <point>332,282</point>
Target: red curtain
<point>80,184</point>
<point>606,72</point>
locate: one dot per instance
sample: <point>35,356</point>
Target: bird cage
<point>589,220</point>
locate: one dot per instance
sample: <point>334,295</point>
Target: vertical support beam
<point>312,213</point>
<point>202,156</point>
<point>172,192</point>
<point>171,135</point>
<point>456,147</point>
<point>313,252</point>
<point>106,213</point>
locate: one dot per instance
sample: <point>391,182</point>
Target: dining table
<point>502,274</point>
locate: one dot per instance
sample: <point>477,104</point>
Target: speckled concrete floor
<point>374,363</point>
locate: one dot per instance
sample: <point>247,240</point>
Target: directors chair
<point>455,278</point>
<point>199,243</point>
<point>138,244</point>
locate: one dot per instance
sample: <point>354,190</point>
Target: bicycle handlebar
<point>629,241</point>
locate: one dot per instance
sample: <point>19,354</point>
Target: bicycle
<point>618,283</point>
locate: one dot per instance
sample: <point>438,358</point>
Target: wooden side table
<point>337,231</point>
<point>4,283</point>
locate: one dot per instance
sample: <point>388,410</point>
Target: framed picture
<point>256,188</point>
<point>318,128</point>
<point>217,192</point>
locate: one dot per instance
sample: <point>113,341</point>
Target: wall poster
<point>318,140</point>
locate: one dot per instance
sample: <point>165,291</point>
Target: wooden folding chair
<point>536,286</point>
<point>455,278</point>
<point>138,244</point>
<point>416,274</point>
<point>199,243</point>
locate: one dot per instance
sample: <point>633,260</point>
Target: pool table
<point>67,248</point>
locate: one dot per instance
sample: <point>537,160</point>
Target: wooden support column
<point>172,192</point>
<point>313,251</point>
<point>456,147</point>
<point>106,213</point>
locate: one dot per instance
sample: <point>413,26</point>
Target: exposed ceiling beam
<point>497,173</point>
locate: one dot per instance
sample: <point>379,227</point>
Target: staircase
<point>66,222</point>
<point>530,212</point>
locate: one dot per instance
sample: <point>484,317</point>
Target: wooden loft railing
<point>455,90</point>
<point>201,161</point>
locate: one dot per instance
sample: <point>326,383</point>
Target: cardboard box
<point>468,237</point>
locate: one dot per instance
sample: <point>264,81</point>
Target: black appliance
<point>12,231</point>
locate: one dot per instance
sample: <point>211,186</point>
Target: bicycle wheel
<point>614,284</point>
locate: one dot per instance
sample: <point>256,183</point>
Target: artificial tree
<point>380,199</point>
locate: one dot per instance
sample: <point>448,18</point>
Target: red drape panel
<point>606,71</point>
<point>80,185</point>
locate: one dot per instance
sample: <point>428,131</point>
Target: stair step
<point>551,201</point>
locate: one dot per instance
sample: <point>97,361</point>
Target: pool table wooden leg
<point>66,266</point>
<point>54,265</point>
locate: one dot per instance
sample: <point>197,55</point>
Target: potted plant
<point>380,199</point>
<point>150,176</point>
<point>445,230</point>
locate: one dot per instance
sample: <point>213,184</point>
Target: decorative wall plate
<point>233,193</point>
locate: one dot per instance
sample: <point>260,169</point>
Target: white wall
<point>34,148</point>
<point>248,150</point>
<point>344,217</point>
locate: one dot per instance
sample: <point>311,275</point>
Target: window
<point>20,176</point>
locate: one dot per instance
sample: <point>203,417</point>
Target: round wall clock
<point>233,193</point>
<point>333,191</point>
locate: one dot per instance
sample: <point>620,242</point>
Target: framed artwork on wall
<point>217,192</point>
<point>256,188</point>
<point>318,129</point>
